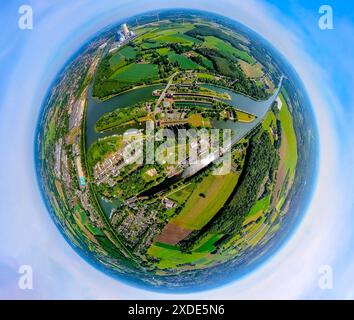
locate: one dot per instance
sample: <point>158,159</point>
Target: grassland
<point>172,35</point>
<point>176,38</point>
<point>204,76</point>
<point>186,48</point>
<point>218,44</point>
<point>258,209</point>
<point>288,155</point>
<point>207,245</point>
<point>197,121</point>
<point>251,70</point>
<point>206,200</point>
<point>207,63</point>
<point>172,257</point>
<point>136,73</point>
<point>269,120</point>
<point>183,62</point>
<point>244,116</point>
<point>182,194</point>
<point>119,59</point>
<point>289,132</point>
<point>101,149</point>
<point>164,51</point>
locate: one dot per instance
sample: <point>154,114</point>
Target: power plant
<point>124,34</point>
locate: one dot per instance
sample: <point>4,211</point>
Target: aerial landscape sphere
<point>176,150</point>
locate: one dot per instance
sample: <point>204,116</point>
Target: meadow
<point>289,132</point>
<point>218,44</point>
<point>118,60</point>
<point>183,62</point>
<point>136,73</point>
<point>206,200</point>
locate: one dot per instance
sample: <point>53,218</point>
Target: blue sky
<point>30,60</point>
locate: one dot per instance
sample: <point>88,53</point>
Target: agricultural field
<point>258,209</point>
<point>120,58</point>
<point>251,70</point>
<point>172,257</point>
<point>205,76</point>
<point>244,117</point>
<point>218,44</point>
<point>288,155</point>
<point>203,203</point>
<point>207,245</point>
<point>182,194</point>
<point>136,73</point>
<point>289,134</point>
<point>197,121</point>
<point>183,62</point>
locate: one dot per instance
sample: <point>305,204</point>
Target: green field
<point>203,76</point>
<point>136,73</point>
<point>171,35</point>
<point>255,240</point>
<point>128,52</point>
<point>177,28</point>
<point>119,59</point>
<point>207,244</point>
<point>171,256</point>
<point>151,45</point>
<point>184,62</point>
<point>141,30</point>
<point>288,128</point>
<point>181,195</point>
<point>200,209</point>
<point>207,63</point>
<point>218,44</point>
<point>244,117</point>
<point>268,120</point>
<point>177,38</point>
<point>100,149</point>
<point>197,121</point>
<point>163,51</point>
<point>260,205</point>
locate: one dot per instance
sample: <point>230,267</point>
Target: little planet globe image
<point>176,150</point>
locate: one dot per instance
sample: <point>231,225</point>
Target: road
<point>163,94</point>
